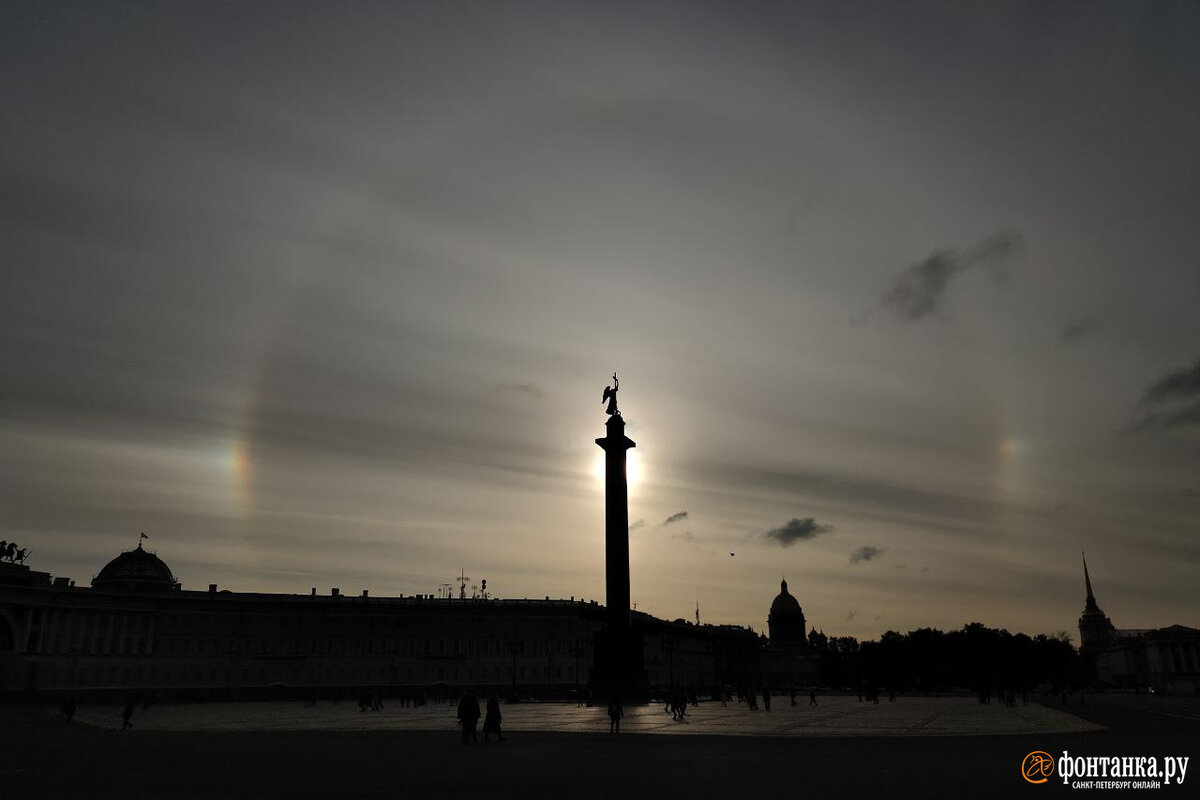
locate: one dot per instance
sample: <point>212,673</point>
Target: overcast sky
<point>902,296</point>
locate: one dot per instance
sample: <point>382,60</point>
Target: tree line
<point>974,657</point>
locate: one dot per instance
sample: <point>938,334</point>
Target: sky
<point>902,298</point>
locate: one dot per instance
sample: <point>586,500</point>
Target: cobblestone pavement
<point>833,716</point>
<point>1171,705</point>
<point>224,750</point>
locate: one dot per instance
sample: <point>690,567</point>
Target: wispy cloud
<point>918,291</point>
<point>1172,401</point>
<point>1182,383</point>
<point>795,530</point>
<point>878,499</point>
<point>1079,329</point>
<point>866,553</point>
<point>676,517</point>
<point>639,523</point>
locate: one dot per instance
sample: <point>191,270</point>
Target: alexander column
<point>616,512</point>
<point>618,647</point>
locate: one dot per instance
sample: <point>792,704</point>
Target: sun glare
<point>633,467</point>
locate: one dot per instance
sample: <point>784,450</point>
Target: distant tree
<point>974,657</point>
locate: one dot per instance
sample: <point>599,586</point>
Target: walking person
<point>812,697</point>
<point>615,712</point>
<point>468,716</point>
<point>127,715</point>
<point>491,722</point>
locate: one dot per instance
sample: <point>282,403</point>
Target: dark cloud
<point>882,500</point>
<point>1182,418</point>
<point>526,389</point>
<point>1182,383</point>
<point>1172,401</point>
<point>676,517</point>
<point>850,615</point>
<point>918,291</point>
<point>1079,329</point>
<point>796,530</point>
<point>866,553</point>
<point>633,526</point>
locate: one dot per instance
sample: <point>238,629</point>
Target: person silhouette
<point>468,716</point>
<point>491,723</point>
<point>812,697</point>
<point>127,716</point>
<point>615,712</point>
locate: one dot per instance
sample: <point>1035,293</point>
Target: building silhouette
<point>1165,660</point>
<point>1096,630</point>
<point>789,658</point>
<point>785,622</point>
<point>136,628</point>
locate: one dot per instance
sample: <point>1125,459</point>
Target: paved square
<point>834,715</point>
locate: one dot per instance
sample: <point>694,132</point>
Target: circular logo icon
<point>1037,767</point>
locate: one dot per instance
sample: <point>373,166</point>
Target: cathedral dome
<point>784,603</point>
<point>135,569</point>
<point>786,620</point>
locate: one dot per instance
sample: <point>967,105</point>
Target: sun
<point>634,468</point>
